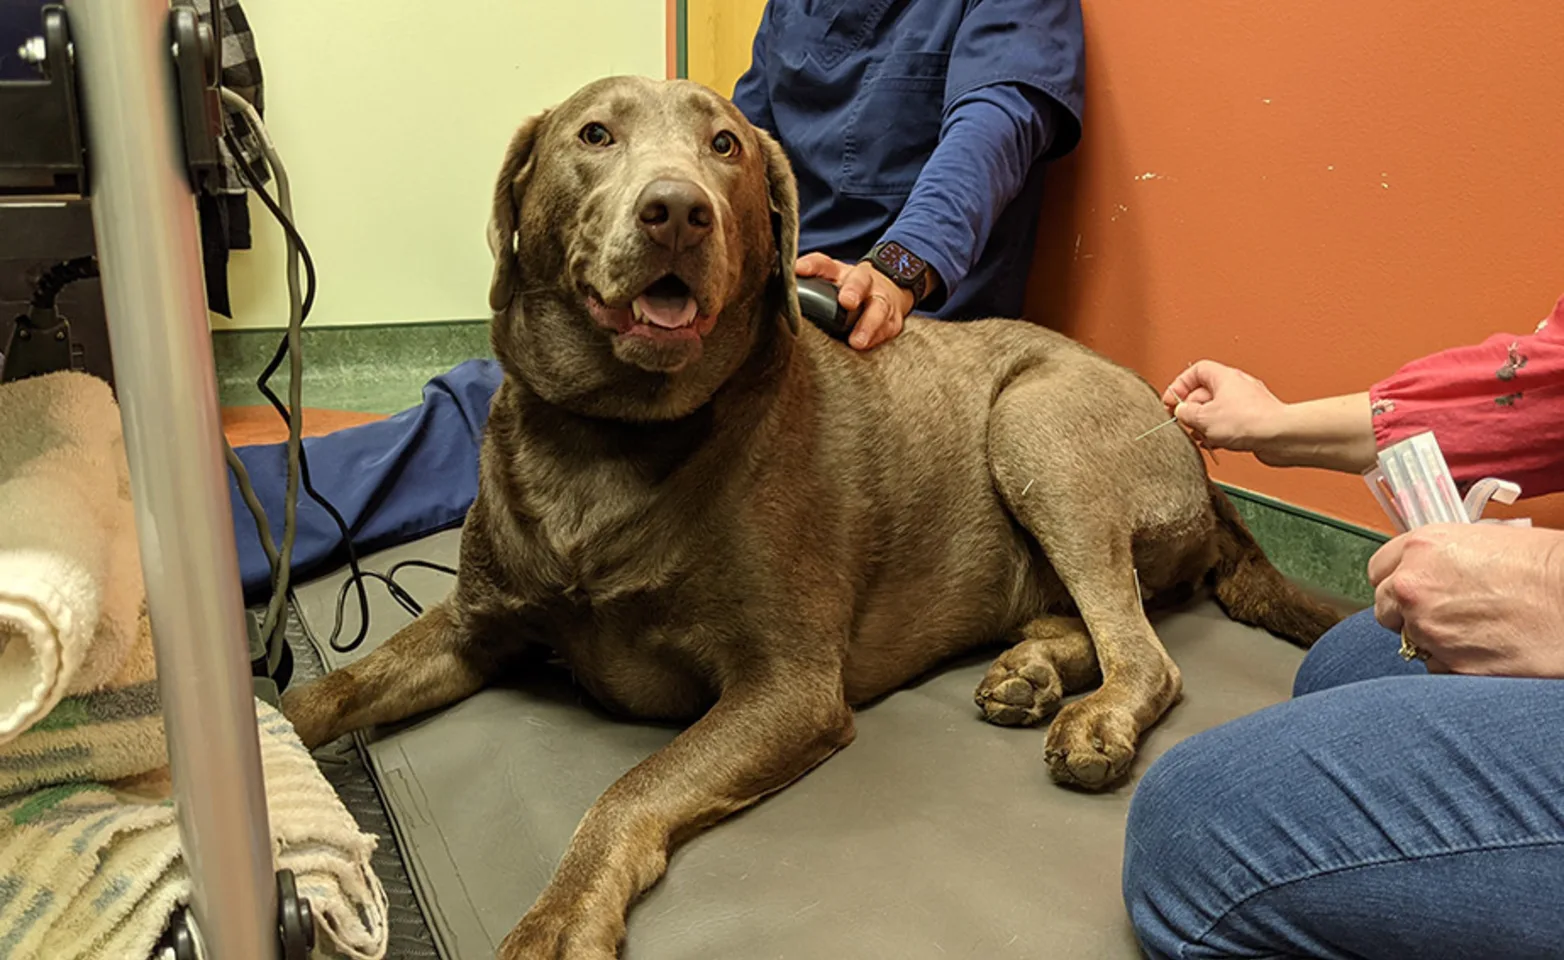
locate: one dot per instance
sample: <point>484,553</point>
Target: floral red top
<point>1496,408</point>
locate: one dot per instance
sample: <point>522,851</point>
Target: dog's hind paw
<point>1021,689</point>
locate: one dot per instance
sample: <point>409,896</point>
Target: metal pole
<point>150,258</point>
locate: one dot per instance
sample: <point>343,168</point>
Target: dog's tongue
<point>668,312</point>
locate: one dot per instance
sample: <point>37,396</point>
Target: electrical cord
<point>398,593</point>
<point>273,627</point>
<point>291,414</point>
<point>279,556</point>
<point>60,276</point>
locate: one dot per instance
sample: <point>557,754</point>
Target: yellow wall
<point>720,34</point>
<point>392,117</point>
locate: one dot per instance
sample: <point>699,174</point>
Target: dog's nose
<point>676,214</point>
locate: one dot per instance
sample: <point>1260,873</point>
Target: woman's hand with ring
<point>1476,598</point>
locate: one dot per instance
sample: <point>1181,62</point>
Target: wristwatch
<point>904,268</point>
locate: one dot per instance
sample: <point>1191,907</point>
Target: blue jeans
<point>1381,813</point>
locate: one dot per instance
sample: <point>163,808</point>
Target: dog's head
<point>643,235</point>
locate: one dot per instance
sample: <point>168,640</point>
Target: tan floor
<point>245,426</point>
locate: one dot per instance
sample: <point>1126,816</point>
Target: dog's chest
<point>597,532</point>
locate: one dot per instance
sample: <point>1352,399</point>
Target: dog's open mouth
<point>667,303</point>
<point>665,310</point>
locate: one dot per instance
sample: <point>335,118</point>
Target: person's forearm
<point>1336,433</point>
<point>988,144</point>
<point>1496,407</point>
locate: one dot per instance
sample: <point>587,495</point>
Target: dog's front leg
<point>757,739</point>
<point>427,664</point>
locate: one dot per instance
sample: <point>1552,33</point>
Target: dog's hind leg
<point>1052,658</point>
<point>1083,514</point>
<point>427,664</point>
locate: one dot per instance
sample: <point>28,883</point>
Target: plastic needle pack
<point>1414,487</point>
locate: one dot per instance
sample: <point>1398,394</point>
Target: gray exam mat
<point>934,835</point>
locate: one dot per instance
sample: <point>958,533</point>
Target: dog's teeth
<point>635,310</point>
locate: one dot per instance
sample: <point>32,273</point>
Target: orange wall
<point>1314,190</point>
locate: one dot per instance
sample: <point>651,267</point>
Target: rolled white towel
<point>70,576</point>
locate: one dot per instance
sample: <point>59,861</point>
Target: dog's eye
<point>726,144</point>
<point>596,135</point>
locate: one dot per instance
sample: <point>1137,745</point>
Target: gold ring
<point>1409,650</point>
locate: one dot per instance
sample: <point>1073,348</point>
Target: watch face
<point>903,264</point>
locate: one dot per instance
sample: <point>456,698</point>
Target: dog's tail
<point>1253,591</point>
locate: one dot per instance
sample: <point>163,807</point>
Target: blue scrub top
<point>922,121</point>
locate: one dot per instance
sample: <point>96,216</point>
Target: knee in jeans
<point>1167,813</point>
<point>1357,648</point>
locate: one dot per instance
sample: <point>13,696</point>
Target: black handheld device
<point>817,302</point>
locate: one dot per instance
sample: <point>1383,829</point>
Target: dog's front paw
<point>1021,689</point>
<point>312,709</point>
<point>559,933</point>
<point>1090,744</point>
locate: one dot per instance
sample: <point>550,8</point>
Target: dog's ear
<point>782,191</point>
<point>508,190</point>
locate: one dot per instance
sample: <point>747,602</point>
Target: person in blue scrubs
<point>919,133</point>
<point>918,130</point>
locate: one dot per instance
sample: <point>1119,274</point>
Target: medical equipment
<point>126,117</point>
<point>1413,485</point>
<point>1168,422</point>
<point>817,302</point>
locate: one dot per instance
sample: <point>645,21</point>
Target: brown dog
<point>712,514</point>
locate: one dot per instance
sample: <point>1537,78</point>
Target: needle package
<point>1414,487</point>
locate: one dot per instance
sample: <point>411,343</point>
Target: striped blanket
<point>91,870</point>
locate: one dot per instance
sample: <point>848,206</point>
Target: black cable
<point>422,564</point>
<point>262,384</point>
<point>217,37</point>
<point>60,276</point>
<point>398,593</point>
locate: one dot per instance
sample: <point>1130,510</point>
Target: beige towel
<point>90,871</point>
<point>89,848</point>
<point>90,860</point>
<point>70,576</point>
<point>105,736</point>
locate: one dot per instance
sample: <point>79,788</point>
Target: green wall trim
<point>1324,552</point>
<point>366,369</point>
<point>1275,504</point>
<point>681,49</point>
